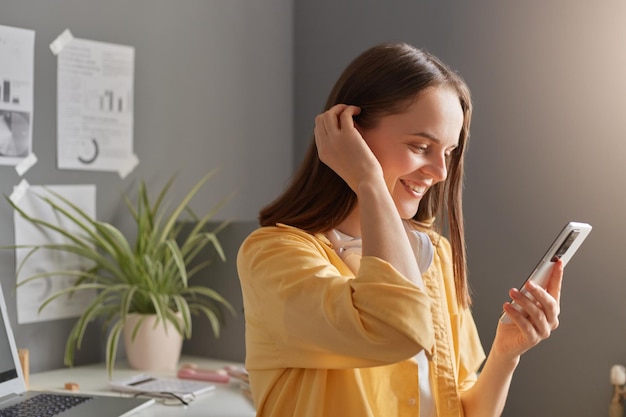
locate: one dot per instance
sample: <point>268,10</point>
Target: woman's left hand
<point>537,320</point>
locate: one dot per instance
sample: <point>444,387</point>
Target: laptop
<point>13,392</point>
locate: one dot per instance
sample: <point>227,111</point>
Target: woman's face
<point>412,147</point>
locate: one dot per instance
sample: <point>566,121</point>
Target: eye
<point>451,152</point>
<point>419,147</point>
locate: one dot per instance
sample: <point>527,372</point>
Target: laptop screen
<point>7,364</point>
<point>11,377</point>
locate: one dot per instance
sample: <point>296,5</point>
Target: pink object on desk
<point>203,375</point>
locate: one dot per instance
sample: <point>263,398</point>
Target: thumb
<point>556,280</point>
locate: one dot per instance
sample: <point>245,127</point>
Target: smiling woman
<point>355,302</point>
<point>413,147</point>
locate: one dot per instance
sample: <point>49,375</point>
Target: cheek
<point>396,167</point>
<point>394,159</point>
<point>399,161</point>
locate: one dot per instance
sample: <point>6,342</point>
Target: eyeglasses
<point>166,398</point>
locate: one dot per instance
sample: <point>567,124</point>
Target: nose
<point>437,167</point>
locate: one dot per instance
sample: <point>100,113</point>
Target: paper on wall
<point>17,56</point>
<point>95,88</point>
<point>31,295</point>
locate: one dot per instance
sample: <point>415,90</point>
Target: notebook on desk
<point>15,398</point>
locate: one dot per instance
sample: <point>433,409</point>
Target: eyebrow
<point>427,136</point>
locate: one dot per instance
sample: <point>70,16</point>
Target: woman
<point>355,304</point>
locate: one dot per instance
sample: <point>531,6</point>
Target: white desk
<point>226,401</point>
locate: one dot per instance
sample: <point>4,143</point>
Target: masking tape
<point>127,166</point>
<point>19,191</point>
<point>26,164</point>
<point>61,41</point>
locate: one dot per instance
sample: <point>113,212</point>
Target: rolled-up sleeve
<point>303,310</point>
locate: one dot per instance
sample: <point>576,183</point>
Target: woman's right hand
<point>341,146</point>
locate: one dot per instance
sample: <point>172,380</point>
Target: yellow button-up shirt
<point>322,342</point>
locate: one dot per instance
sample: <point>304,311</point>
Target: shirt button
<point>412,401</point>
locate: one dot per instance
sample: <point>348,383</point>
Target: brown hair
<point>381,81</point>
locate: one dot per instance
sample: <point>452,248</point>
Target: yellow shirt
<point>321,342</point>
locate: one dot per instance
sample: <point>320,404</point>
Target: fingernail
<point>531,284</point>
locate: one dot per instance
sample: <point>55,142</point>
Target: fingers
<point>333,120</point>
<point>334,123</point>
<point>337,118</point>
<point>545,307</point>
<point>539,310</point>
<point>341,146</point>
<point>526,326</point>
<point>533,312</point>
<point>346,116</point>
<point>547,303</point>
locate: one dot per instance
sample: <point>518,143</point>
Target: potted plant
<point>150,277</point>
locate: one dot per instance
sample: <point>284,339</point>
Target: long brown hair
<point>381,81</point>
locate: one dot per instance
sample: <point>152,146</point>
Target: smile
<point>415,189</point>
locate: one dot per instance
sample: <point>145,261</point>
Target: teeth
<point>416,188</point>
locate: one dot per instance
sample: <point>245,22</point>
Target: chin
<point>407,208</point>
<point>406,213</point>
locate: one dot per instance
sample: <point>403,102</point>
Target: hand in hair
<point>342,148</point>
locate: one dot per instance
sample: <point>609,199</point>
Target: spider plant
<point>150,276</point>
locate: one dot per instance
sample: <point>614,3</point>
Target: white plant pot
<point>153,348</point>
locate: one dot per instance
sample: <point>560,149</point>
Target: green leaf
<point>150,275</point>
<point>111,349</point>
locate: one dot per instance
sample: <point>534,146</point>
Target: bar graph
<point>108,101</point>
<point>7,92</point>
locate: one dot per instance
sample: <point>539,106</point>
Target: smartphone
<point>564,247</point>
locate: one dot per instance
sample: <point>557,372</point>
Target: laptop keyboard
<point>43,405</point>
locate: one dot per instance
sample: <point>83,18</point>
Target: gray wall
<point>212,88</point>
<point>547,146</point>
<point>546,141</point>
<point>230,345</point>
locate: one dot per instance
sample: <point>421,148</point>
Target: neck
<point>351,225</point>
